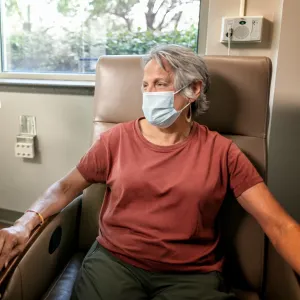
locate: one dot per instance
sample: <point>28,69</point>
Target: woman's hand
<point>12,242</point>
<point>14,239</point>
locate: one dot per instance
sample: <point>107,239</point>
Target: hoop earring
<point>189,118</point>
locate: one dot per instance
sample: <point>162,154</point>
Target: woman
<point>166,180</point>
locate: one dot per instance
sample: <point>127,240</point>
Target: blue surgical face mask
<point>158,108</point>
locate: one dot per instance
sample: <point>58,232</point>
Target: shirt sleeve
<point>242,174</point>
<point>94,165</point>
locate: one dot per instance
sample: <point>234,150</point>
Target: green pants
<point>104,277</point>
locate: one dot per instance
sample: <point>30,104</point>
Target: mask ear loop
<point>189,118</point>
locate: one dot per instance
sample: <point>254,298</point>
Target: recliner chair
<point>239,97</point>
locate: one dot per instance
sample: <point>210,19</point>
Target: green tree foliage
<point>68,7</point>
<point>158,15</point>
<point>141,42</point>
<point>118,8</point>
<point>39,50</point>
<point>12,7</point>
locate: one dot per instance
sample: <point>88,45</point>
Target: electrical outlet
<point>24,150</point>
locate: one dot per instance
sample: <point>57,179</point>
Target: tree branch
<point>128,22</point>
<point>173,5</point>
<point>177,18</point>
<point>150,5</point>
<point>160,6</point>
<point>160,25</point>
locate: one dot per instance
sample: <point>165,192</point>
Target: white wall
<point>272,12</point>
<point>284,146</point>
<point>270,9</point>
<point>64,124</point>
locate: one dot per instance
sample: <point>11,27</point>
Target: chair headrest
<point>238,95</point>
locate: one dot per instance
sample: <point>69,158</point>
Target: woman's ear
<point>196,87</point>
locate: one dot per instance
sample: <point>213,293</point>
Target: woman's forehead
<point>153,69</point>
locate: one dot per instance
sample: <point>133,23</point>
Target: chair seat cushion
<point>62,287</point>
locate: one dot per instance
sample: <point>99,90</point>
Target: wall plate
<point>25,144</point>
<point>27,125</point>
<point>244,29</point>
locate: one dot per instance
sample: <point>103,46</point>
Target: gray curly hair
<point>188,67</point>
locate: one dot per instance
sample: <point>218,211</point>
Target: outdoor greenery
<point>140,42</point>
<point>40,50</point>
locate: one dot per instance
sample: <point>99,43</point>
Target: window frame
<point>73,77</point>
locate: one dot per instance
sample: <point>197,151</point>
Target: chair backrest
<point>239,97</point>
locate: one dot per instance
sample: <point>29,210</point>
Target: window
<point>68,36</point>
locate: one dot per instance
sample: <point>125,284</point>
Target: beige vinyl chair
<point>239,97</point>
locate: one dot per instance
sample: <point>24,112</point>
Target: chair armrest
<point>49,248</point>
<point>282,282</point>
<point>6,273</point>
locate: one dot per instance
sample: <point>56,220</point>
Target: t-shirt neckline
<point>163,148</point>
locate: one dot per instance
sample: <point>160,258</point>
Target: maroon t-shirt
<point>161,202</point>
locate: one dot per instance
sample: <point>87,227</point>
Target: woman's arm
<point>13,239</point>
<point>282,229</point>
